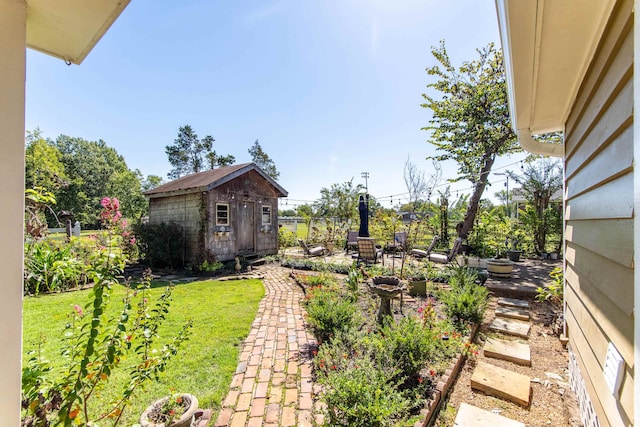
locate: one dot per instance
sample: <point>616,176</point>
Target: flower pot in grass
<point>177,410</point>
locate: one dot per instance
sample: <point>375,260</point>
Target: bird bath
<point>386,288</point>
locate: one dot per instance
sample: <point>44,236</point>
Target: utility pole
<point>507,185</point>
<point>365,175</point>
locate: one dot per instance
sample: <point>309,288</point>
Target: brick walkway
<point>273,385</point>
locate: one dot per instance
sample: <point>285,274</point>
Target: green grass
<point>222,313</point>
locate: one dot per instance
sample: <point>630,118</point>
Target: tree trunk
<point>474,202</point>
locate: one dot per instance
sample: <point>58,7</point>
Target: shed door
<point>246,227</point>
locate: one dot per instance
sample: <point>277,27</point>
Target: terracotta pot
<point>184,421</point>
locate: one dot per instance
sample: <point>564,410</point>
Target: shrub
<point>286,238</point>
<point>314,265</point>
<point>466,304</point>
<point>363,395</point>
<point>161,245</point>
<point>408,346</point>
<point>210,266</point>
<point>553,292</point>
<point>328,312</point>
<point>49,267</point>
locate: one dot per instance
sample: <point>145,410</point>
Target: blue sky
<point>330,88</point>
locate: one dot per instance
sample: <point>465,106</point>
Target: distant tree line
<point>79,173</point>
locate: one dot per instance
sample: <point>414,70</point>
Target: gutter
<point>536,147</point>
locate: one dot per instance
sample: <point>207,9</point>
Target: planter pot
<point>184,421</point>
<point>514,255</point>
<point>418,287</point>
<point>553,255</point>
<point>499,267</point>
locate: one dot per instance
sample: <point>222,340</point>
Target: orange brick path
<point>273,384</point>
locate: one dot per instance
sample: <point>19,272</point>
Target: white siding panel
<point>612,200</point>
<point>614,324</point>
<point>612,239</point>
<point>615,159</point>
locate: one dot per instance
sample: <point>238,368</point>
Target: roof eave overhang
<point>548,46</point>
<point>251,166</point>
<point>70,29</point>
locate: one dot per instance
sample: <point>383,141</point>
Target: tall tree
<point>470,119</point>
<point>188,154</point>
<point>43,165</point>
<point>151,182</point>
<point>93,171</point>
<point>262,159</point>
<point>539,181</point>
<point>339,201</point>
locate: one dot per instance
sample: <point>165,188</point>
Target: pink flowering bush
<point>95,344</point>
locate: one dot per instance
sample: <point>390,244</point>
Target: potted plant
<point>512,243</point>
<point>418,279</point>
<point>177,410</point>
<point>513,252</point>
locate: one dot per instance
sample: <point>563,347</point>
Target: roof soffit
<point>548,47</point>
<point>69,29</point>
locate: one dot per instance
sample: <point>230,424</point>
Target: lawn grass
<point>222,313</point>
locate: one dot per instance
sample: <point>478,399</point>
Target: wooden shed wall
<point>184,210</point>
<point>599,218</point>
<point>253,189</point>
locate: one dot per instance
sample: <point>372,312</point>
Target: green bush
<point>328,312</point>
<point>465,305</point>
<point>406,345</point>
<point>286,238</point>
<point>210,266</point>
<point>161,245</point>
<point>555,291</point>
<point>363,395</point>
<point>51,267</point>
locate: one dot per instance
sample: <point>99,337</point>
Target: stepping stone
<point>502,383</point>
<point>508,350</point>
<point>470,416</point>
<point>512,313</point>
<point>511,327</point>
<point>512,302</point>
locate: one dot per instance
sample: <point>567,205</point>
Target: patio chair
<point>368,252</point>
<point>447,258</point>
<point>318,250</point>
<point>399,242</point>
<point>419,253</point>
<point>352,241</point>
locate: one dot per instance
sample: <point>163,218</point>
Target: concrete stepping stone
<point>502,383</point>
<point>514,327</point>
<point>512,302</point>
<point>508,350</point>
<point>470,416</point>
<point>512,313</point>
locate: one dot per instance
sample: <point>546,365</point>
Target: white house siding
<point>599,220</point>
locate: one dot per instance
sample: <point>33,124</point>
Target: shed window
<point>266,214</point>
<point>222,214</point>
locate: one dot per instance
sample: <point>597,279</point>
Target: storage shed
<point>226,212</point>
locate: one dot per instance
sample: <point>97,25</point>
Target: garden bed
<point>339,357</point>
